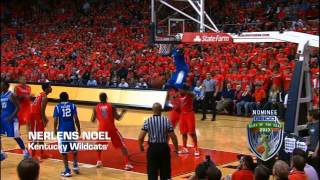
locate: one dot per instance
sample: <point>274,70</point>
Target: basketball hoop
<point>165,45</point>
<point>165,49</point>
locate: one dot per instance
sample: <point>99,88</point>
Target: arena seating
<point>109,41</point>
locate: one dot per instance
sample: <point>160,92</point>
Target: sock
<point>20,143</point>
<point>195,144</point>
<point>75,163</point>
<point>184,142</point>
<point>99,155</point>
<point>126,159</point>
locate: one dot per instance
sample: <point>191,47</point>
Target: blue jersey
<point>7,106</point>
<point>179,61</point>
<point>65,112</point>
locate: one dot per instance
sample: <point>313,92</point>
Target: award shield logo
<point>265,134</point>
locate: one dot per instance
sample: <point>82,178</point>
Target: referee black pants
<point>158,160</point>
<point>209,99</point>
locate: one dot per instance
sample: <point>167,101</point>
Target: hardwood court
<point>227,134</point>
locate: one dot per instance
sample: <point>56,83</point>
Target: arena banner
<point>124,97</point>
<point>265,134</point>
<point>206,38</point>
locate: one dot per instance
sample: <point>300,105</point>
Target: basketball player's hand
<point>142,148</point>
<point>45,121</point>
<point>124,111</point>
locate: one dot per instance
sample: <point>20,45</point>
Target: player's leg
<point>20,142</point>
<point>99,162</point>
<point>192,131</point>
<point>64,148</point>
<point>13,131</point>
<point>184,132</point>
<point>118,142</point>
<point>67,171</point>
<point>75,162</point>
<point>3,155</point>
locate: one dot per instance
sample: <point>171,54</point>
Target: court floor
<point>223,139</point>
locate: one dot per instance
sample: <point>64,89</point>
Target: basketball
<point>260,149</point>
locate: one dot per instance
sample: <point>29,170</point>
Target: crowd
<point>105,44</point>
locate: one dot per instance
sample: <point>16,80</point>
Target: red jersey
<point>287,77</point>
<point>277,79</point>
<point>186,103</point>
<point>23,92</point>
<point>104,113</point>
<point>36,105</point>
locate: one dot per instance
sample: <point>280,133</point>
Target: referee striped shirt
<point>158,127</point>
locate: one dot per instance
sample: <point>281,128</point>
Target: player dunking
<point>23,93</point>
<point>38,118</point>
<point>187,121</point>
<point>65,114</point>
<point>106,114</point>
<point>9,121</point>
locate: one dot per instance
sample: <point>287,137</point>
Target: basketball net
<point>164,49</point>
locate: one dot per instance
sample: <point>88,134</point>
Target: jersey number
<point>66,112</point>
<point>4,105</point>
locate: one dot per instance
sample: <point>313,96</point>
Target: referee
<point>209,86</point>
<point>158,155</point>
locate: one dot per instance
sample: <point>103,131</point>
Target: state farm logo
<point>206,38</point>
<point>197,39</point>
<point>214,38</point>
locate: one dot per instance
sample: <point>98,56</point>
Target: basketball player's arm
<point>93,117</point>
<point>55,125</point>
<point>142,135</point>
<point>77,122</point>
<point>116,115</point>
<point>14,100</point>
<point>44,102</point>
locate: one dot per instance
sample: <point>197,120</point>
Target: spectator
<point>108,82</point>
<point>309,170</point>
<point>313,129</point>
<point>101,82</point>
<point>43,79</point>
<point>198,95</point>
<point>245,170</point>
<point>237,96</point>
<point>122,72</point>
<point>123,84</point>
<point>227,96</point>
<point>114,82</point>
<point>92,82</point>
<point>280,170</point>
<point>275,101</point>
<point>244,102</point>
<point>141,84</point>
<point>297,165</point>
<point>259,97</point>
<point>206,170</point>
<point>261,172</point>
<point>28,169</point>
